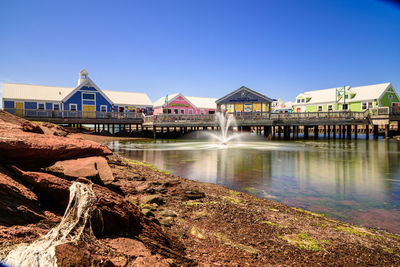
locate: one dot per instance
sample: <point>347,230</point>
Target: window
<point>190,111</point>
<point>303,100</point>
<point>176,111</point>
<point>73,107</point>
<point>83,76</point>
<point>370,105</point>
<point>390,97</point>
<point>330,108</point>
<point>319,108</point>
<point>202,111</point>
<point>86,96</point>
<point>103,108</point>
<point>345,106</point>
<point>346,96</point>
<point>182,111</point>
<point>56,107</point>
<point>363,105</point>
<point>298,100</point>
<point>41,106</point>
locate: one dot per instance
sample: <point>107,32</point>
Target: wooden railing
<point>36,113</point>
<point>384,111</point>
<point>260,116</point>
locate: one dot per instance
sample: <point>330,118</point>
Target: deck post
<point>334,131</point>
<point>273,132</point>
<point>305,132</point>
<point>325,130</point>
<point>355,131</point>
<point>387,131</point>
<point>367,131</point>
<point>154,132</point>
<point>328,131</point>
<point>349,131</point>
<point>316,131</point>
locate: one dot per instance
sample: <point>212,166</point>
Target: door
<point>298,110</point>
<point>19,108</point>
<point>89,111</point>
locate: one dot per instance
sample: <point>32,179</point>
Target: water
<point>356,181</point>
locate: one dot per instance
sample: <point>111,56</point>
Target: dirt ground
<point>222,227</point>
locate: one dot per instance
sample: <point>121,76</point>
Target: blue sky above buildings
<point>201,47</point>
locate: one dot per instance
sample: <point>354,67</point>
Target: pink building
<point>179,104</point>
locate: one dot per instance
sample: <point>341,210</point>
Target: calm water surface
<point>356,181</point>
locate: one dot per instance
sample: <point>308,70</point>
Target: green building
<point>347,98</point>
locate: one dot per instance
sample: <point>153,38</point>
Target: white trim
<point>86,83</point>
<point>179,94</point>
<point>103,106</point>
<point>88,93</point>
<point>37,105</point>
<point>72,104</point>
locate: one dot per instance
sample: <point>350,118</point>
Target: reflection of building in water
<point>342,168</point>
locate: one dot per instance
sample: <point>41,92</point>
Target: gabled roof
<point>128,98</point>
<point>199,102</point>
<point>57,94</point>
<point>35,92</point>
<point>88,82</point>
<point>361,93</point>
<point>267,99</point>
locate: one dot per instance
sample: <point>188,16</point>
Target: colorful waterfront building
<point>85,97</point>
<point>347,98</point>
<point>184,105</point>
<point>244,100</point>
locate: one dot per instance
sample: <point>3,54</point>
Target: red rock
<point>93,168</point>
<point>39,150</point>
<point>128,246</point>
<point>74,255</point>
<point>18,205</point>
<point>23,124</point>
<point>113,216</point>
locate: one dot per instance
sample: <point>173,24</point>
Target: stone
<point>18,204</point>
<point>147,213</point>
<point>33,150</point>
<point>113,214</point>
<point>193,194</point>
<point>95,169</point>
<point>167,221</point>
<point>167,213</point>
<point>150,199</point>
<point>196,232</point>
<point>128,246</point>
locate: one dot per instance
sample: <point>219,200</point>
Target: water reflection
<point>349,180</point>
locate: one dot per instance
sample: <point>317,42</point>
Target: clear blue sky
<point>201,47</point>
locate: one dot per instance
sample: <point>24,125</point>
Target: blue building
<point>87,99</point>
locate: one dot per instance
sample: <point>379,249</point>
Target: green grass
<point>356,232</point>
<point>273,224</point>
<point>192,203</point>
<point>136,162</point>
<point>310,212</point>
<point>304,242</point>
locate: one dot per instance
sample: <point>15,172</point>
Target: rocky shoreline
<point>146,217</point>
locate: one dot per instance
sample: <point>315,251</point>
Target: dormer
<point>83,75</point>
